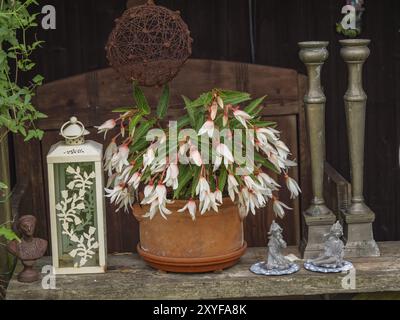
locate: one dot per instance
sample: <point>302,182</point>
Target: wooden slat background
<point>221,31</point>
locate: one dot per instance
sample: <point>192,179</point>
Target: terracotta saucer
<point>192,265</point>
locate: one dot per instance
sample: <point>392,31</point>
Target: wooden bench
<point>129,277</point>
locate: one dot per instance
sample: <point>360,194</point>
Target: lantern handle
<point>72,120</point>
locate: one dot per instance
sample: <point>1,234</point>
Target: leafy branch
<point>17,113</point>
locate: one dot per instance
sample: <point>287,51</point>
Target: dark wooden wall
<point>221,30</point>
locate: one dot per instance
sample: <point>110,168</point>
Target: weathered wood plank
<point>129,278</point>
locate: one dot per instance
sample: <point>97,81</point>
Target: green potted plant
<point>190,184</point>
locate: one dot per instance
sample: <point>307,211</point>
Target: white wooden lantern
<point>77,211</point>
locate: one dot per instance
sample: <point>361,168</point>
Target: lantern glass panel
<point>75,195</point>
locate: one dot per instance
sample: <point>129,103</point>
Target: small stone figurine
<point>331,260</point>
<point>277,264</point>
<point>29,249</point>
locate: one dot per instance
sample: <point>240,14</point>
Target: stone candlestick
<point>317,218</point>
<point>358,217</point>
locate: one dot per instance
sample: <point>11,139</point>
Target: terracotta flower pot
<point>214,241</point>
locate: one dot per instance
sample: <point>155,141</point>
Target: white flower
<point>125,175</point>
<point>135,180</point>
<point>161,192</point>
<point>159,195</point>
<point>120,159</point>
<point>191,207</point>
<point>183,148</point>
<point>222,152</point>
<point>289,163</point>
<point>232,186</point>
<point>225,118</point>
<point>153,210</point>
<point>253,202</point>
<point>251,184</point>
<point>218,196</point>
<point>148,189</point>
<point>242,116</point>
<point>171,178</point>
<point>243,205</point>
<point>149,156</point>
<point>120,195</point>
<point>265,147</point>
<point>108,154</point>
<point>108,125</point>
<point>267,134</point>
<point>213,110</point>
<point>275,160</point>
<point>220,102</point>
<point>292,186</point>
<point>158,166</point>
<point>208,127</point>
<point>282,149</point>
<point>113,178</point>
<point>202,187</point>
<point>195,156</point>
<point>278,208</point>
<point>266,181</point>
<point>208,202</point>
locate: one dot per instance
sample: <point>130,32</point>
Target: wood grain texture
<point>130,278</point>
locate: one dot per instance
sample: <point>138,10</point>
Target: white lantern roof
<point>74,148</point>
<point>73,129</point>
<point>62,152</point>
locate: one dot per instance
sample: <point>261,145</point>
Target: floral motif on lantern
<point>75,214</point>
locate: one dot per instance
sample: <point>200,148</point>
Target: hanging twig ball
<point>149,44</point>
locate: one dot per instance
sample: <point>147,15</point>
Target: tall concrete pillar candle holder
<point>358,218</point>
<point>317,219</point>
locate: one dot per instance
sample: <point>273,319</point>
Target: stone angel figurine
<point>332,257</point>
<point>277,263</point>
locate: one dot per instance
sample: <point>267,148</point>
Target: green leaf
<point>134,121</point>
<point>185,175</point>
<point>141,100</point>
<point>3,186</point>
<point>143,129</point>
<point>8,234</point>
<point>223,175</point>
<point>39,134</point>
<point>190,110</point>
<point>162,106</point>
<point>139,145</point>
<point>203,100</point>
<point>253,105</point>
<point>38,79</point>
<point>183,122</point>
<point>263,124</point>
<point>265,162</point>
<point>22,131</point>
<point>234,97</point>
<point>196,177</point>
<point>40,115</point>
<point>123,109</point>
<point>199,120</point>
<point>31,135</point>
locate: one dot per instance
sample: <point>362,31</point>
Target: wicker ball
<point>149,44</point>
